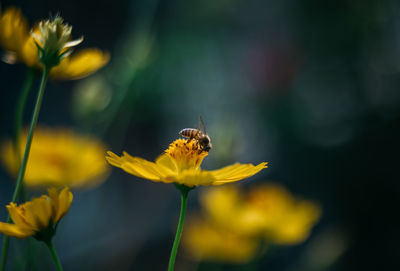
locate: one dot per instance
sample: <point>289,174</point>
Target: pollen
<point>186,154</point>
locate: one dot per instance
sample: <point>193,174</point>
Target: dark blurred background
<point>310,86</point>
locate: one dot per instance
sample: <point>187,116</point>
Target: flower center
<point>186,154</point>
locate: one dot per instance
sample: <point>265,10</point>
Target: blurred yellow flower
<point>20,43</point>
<point>203,240</point>
<point>59,157</point>
<point>287,220</point>
<point>269,211</point>
<point>236,226</point>
<point>38,217</point>
<point>227,207</point>
<point>13,30</point>
<point>180,164</point>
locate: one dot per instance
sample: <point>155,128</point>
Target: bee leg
<point>189,139</point>
<point>196,143</point>
<point>200,147</point>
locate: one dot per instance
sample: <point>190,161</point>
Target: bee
<point>200,136</point>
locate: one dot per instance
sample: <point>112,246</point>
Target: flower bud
<point>53,41</point>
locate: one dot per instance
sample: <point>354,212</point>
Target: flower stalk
<point>184,196</point>
<point>24,161</point>
<point>20,109</point>
<point>18,121</point>
<point>34,120</point>
<point>54,255</point>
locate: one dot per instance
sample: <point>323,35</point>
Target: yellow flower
<point>17,40</point>
<point>287,220</point>
<point>269,211</point>
<point>203,240</point>
<point>39,217</point>
<point>227,207</point>
<point>59,157</point>
<point>180,164</point>
<point>13,30</point>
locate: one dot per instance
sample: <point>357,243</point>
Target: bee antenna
<point>203,127</point>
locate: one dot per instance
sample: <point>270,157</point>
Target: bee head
<point>205,142</point>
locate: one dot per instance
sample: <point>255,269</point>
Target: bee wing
<point>202,126</point>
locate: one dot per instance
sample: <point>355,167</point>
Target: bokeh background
<point>312,87</point>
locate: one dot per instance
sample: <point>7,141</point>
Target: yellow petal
<point>18,218</point>
<point>296,223</point>
<point>40,210</point>
<point>192,178</point>
<point>113,159</point>
<point>80,64</point>
<point>164,160</point>
<point>61,202</point>
<point>13,30</point>
<point>53,195</point>
<point>142,170</point>
<point>28,217</point>
<point>222,204</point>
<point>225,170</point>
<point>14,230</point>
<point>204,240</point>
<point>232,170</point>
<point>137,166</point>
<point>29,50</point>
<point>236,172</point>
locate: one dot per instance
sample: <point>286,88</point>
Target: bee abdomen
<point>189,132</point>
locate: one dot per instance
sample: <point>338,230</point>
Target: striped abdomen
<point>190,133</point>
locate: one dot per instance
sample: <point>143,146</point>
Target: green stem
<point>18,121</point>
<point>24,162</point>
<point>30,261</point>
<point>34,120</point>
<point>184,196</point>
<point>54,254</point>
<point>4,251</point>
<point>19,112</point>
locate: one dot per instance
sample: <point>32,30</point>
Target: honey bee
<point>200,136</point>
